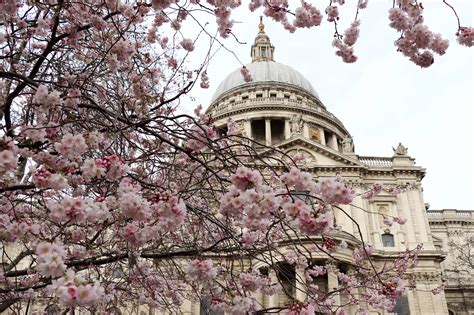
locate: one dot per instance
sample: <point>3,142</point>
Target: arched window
<point>52,309</point>
<point>388,240</point>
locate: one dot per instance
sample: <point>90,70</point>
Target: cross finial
<point>261,27</point>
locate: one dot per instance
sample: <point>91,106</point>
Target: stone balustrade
<point>226,106</point>
<point>450,214</point>
<point>376,161</point>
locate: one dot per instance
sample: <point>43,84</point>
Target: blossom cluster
<point>204,80</point>
<point>8,161</point>
<point>43,179</point>
<point>187,44</point>
<point>109,167</point>
<point>201,270</point>
<point>199,137</point>
<point>72,290</point>
<point>71,145</point>
<point>132,205</point>
<point>335,191</point>
<point>302,309</point>
<point>246,74</point>
<point>73,209</point>
<point>46,99</point>
<point>417,42</point>
<point>465,36</point>
<point>374,191</point>
<point>251,281</point>
<point>11,231</point>
<point>307,16</point>
<point>50,259</point>
<point>170,213</point>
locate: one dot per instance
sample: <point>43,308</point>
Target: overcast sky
<point>383,98</point>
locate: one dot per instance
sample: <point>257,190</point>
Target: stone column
<point>273,299</point>
<point>333,142</point>
<point>305,131</point>
<point>268,132</point>
<point>333,283</point>
<point>287,129</point>
<point>321,135</point>
<point>300,284</point>
<point>248,128</point>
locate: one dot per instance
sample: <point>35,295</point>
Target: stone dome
<point>267,72</point>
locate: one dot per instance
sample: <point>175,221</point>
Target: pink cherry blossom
<point>400,221</point>
<point>246,74</point>
<point>43,179</point>
<point>201,270</point>
<point>362,4</point>
<point>388,221</point>
<point>204,80</point>
<point>187,44</point>
<point>333,13</point>
<point>8,161</point>
<point>465,36</point>
<point>307,16</point>
<point>50,259</point>
<point>71,146</point>
<point>344,51</point>
<point>351,34</point>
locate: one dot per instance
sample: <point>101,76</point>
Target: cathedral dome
<point>265,72</point>
<point>279,104</point>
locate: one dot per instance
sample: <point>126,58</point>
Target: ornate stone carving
<point>455,233</point>
<point>428,277</point>
<point>347,145</point>
<point>296,124</point>
<point>302,157</point>
<point>241,130</point>
<point>400,150</point>
<point>315,134</point>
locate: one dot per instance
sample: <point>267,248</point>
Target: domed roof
<point>265,71</point>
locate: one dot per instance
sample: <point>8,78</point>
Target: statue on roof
<point>296,124</point>
<point>400,150</point>
<point>347,145</point>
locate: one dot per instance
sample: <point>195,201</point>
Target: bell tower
<point>262,49</point>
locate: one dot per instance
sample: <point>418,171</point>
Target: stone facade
<point>280,110</point>
<point>453,232</point>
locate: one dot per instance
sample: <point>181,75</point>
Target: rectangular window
<point>278,130</point>
<point>258,130</point>
<point>245,97</point>
<point>327,136</point>
<point>286,275</point>
<point>222,131</point>
<point>402,307</point>
<point>388,240</point>
<point>259,95</point>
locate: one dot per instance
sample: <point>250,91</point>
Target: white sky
<point>383,98</point>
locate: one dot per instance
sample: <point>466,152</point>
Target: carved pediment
<point>309,153</point>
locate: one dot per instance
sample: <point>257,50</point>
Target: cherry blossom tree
<point>112,197</point>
